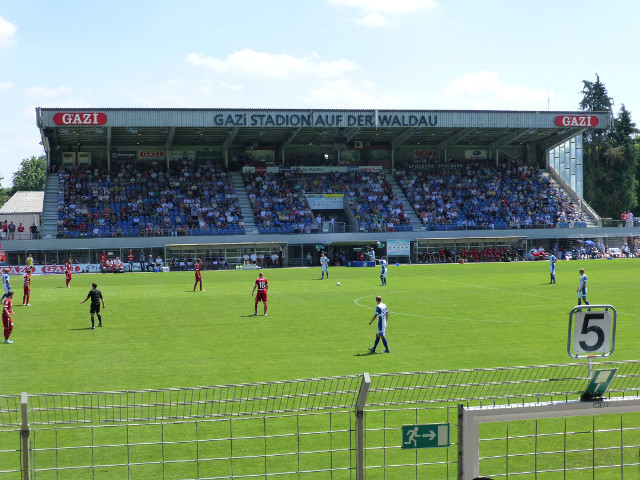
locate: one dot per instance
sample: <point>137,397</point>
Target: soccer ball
<point>338,284</point>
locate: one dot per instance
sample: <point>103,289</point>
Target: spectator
<point>34,231</point>
<point>11,231</point>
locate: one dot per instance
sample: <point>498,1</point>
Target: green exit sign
<point>426,436</point>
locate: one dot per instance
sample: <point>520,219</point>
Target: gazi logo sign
<point>577,121</point>
<point>78,118</point>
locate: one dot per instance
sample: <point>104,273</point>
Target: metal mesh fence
<point>282,446</point>
<point>299,425</point>
<point>511,384</point>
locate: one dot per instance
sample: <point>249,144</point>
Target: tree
<point>610,159</point>
<point>624,130</point>
<point>31,175</point>
<point>4,193</point>
<point>595,97</point>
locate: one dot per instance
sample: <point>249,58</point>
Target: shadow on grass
<point>83,328</point>
<point>365,354</point>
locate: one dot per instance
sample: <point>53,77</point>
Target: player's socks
<point>376,342</point>
<point>384,342</point>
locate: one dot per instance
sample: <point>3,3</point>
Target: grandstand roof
<point>23,202</point>
<point>111,128</point>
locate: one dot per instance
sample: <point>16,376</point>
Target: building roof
<point>74,129</point>
<point>23,202</point>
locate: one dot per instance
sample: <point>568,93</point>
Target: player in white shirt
<point>6,283</point>
<point>383,273</point>
<point>382,314</point>
<point>552,268</point>
<point>324,264</point>
<point>582,288</point>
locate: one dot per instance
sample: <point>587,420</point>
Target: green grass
<point>158,333</point>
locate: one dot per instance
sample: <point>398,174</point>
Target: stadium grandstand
<point>121,178</point>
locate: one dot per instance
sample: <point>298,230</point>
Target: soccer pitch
<point>158,333</point>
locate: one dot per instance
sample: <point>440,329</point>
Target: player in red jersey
<point>262,285</point>
<point>198,275</point>
<point>27,288</point>
<point>7,311</point>
<point>67,272</point>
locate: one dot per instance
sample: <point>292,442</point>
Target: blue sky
<point>414,54</point>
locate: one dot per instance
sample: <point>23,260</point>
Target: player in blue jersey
<point>6,282</point>
<point>582,288</point>
<point>383,273</point>
<point>324,263</point>
<point>382,314</point>
<point>552,268</point>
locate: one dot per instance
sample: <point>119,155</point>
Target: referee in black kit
<point>96,296</point>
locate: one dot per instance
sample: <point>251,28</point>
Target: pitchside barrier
<point>336,427</point>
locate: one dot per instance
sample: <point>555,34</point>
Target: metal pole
<point>24,434</point>
<point>360,404</point>
<point>468,445</point>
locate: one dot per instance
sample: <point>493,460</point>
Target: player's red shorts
<point>6,322</point>
<point>198,277</point>
<point>261,296</point>
<point>27,290</point>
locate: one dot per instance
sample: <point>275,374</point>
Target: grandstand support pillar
<point>360,404</point>
<point>24,435</point>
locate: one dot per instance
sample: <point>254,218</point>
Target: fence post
<point>360,404</point>
<point>468,445</point>
<point>24,434</point>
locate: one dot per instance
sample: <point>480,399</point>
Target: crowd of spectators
<point>510,195</point>
<point>475,254</point>
<point>213,261</point>
<point>9,231</point>
<point>279,203</point>
<point>188,198</point>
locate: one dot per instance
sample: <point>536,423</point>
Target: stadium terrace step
<point>591,220</point>
<point>408,208</point>
<point>245,206</point>
<point>49,225</point>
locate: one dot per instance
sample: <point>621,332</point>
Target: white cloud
<point>486,90</point>
<point>262,64</point>
<point>387,6</point>
<point>373,13</point>
<point>7,33</point>
<point>344,93</point>
<point>371,20</point>
<point>68,102</point>
<point>232,86</point>
<point>6,85</point>
<point>45,92</point>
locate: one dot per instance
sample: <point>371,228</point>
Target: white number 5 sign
<point>592,331</point>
